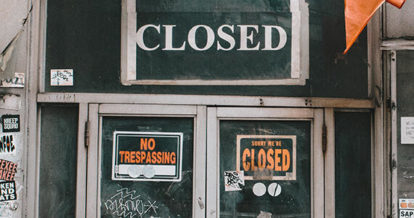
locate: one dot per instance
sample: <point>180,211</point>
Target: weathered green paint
<point>85,36</point>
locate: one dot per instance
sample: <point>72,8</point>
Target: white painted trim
<point>264,113</point>
<point>221,100</point>
<point>379,158</point>
<point>92,205</point>
<point>394,136</point>
<point>32,115</point>
<point>142,109</point>
<point>212,168</point>
<point>317,167</point>
<point>81,171</point>
<point>397,44</point>
<point>330,164</point>
<point>299,51</point>
<point>199,167</point>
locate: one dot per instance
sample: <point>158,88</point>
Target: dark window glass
<point>352,165</point>
<point>58,140</point>
<point>146,198</point>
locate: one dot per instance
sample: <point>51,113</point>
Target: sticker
<point>267,157</point>
<point>259,189</point>
<point>406,213</point>
<point>61,77</point>
<point>11,123</point>
<point>8,191</point>
<point>406,203</point>
<point>8,170</point>
<point>16,82</point>
<point>134,171</point>
<point>274,189</point>
<point>407,130</point>
<point>233,180</point>
<point>147,156</point>
<point>149,171</point>
<point>7,145</point>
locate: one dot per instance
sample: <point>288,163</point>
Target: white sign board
<point>407,130</point>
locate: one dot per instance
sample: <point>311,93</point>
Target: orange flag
<point>357,15</point>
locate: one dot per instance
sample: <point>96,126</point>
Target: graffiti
<point>233,180</point>
<point>126,203</point>
<point>16,82</point>
<point>61,77</point>
<point>7,144</point>
<point>8,170</point>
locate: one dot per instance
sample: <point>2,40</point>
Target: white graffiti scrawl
<point>126,203</point>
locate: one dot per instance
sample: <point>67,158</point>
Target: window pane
<point>352,165</point>
<point>146,198</point>
<point>57,188</point>
<point>265,192</point>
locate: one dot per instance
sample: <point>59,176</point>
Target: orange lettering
<point>126,157</point>
<point>252,160</point>
<point>144,144</point>
<point>277,159</point>
<point>270,159</point>
<point>246,165</point>
<point>286,160</point>
<point>148,157</point>
<point>132,156</point>
<point>122,156</point>
<point>142,156</point>
<point>261,159</point>
<point>159,157</point>
<point>151,144</point>
<point>154,157</point>
<point>173,158</point>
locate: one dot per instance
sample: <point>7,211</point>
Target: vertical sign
<point>407,130</point>
<point>147,156</point>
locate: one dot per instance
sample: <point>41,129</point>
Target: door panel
<point>262,162</point>
<point>267,157</point>
<point>147,198</point>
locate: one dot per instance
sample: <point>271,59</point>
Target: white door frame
<point>98,111</point>
<point>315,116</point>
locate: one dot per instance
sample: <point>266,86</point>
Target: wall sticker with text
<point>11,123</point>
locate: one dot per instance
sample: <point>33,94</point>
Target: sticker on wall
<point>274,189</point>
<point>406,213</point>
<point>407,130</point>
<point>11,123</point>
<point>406,203</point>
<point>147,156</point>
<point>8,191</point>
<point>7,144</point>
<point>406,207</point>
<point>233,180</point>
<point>61,77</point>
<point>259,189</point>
<point>16,82</point>
<point>267,157</point>
<point>8,170</point>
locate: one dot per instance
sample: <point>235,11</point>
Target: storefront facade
<point>138,108</point>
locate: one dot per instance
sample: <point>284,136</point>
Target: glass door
<point>264,162</point>
<point>149,163</point>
